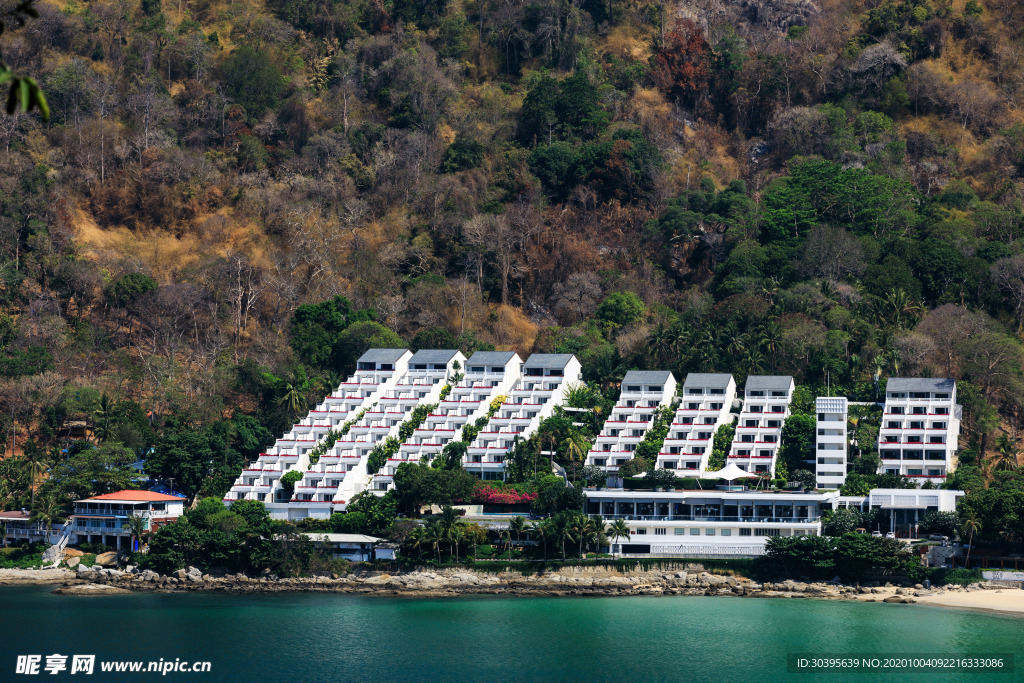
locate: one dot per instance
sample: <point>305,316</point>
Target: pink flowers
<point>491,495</point>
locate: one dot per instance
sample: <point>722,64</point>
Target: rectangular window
<point>727,532</point>
<point>694,531</point>
<point>679,531</point>
<point>709,532</point>
<point>660,531</point>
<point>745,532</point>
<point>642,532</point>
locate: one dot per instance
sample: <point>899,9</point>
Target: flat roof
<point>491,357</point>
<point>132,497</point>
<point>711,380</point>
<point>14,514</point>
<point>433,355</point>
<point>647,376</point>
<point>769,383</point>
<point>341,538</point>
<point>920,384</point>
<point>791,497</point>
<point>549,360</point>
<point>382,355</point>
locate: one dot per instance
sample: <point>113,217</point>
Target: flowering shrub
<point>491,495</point>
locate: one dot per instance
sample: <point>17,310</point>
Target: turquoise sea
<point>322,637</point>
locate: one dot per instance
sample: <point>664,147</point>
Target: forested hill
<point>829,189</point>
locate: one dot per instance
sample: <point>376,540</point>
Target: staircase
<point>66,532</point>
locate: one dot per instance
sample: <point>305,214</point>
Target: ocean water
<point>324,637</point>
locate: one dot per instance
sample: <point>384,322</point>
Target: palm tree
<point>433,534</point>
<point>539,530</point>
<point>598,531</point>
<point>45,513</point>
<point>618,529</point>
<point>1005,457</point>
<point>36,462</point>
<point>517,526</point>
<point>972,525</point>
<point>900,308</point>
<point>417,539</point>
<point>292,398</point>
<point>561,528</point>
<point>102,416</point>
<point>576,446</point>
<point>457,534</point>
<point>136,525</point>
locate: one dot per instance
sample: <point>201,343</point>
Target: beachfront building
<point>101,519</point>
<point>354,547</point>
<point>920,428</point>
<point>377,370</point>
<point>830,442</point>
<point>340,472</point>
<point>722,523</point>
<point>766,401</point>
<point>902,509</point>
<point>643,393</point>
<point>543,386</point>
<point>706,405</point>
<point>708,523</point>
<point>18,526</point>
<point>489,375</point>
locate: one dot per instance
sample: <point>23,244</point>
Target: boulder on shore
<point>73,552</point>
<point>73,562</point>
<point>107,559</point>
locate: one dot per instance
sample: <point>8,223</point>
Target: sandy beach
<point>1001,600</point>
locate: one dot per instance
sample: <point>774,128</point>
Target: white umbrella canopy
<point>729,472</point>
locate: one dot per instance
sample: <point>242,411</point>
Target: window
<point>745,532</point>
<point>633,387</point>
<point>679,531</point>
<point>694,531</point>
<point>660,531</point>
<point>497,369</point>
<point>642,532</point>
<point>727,532</point>
<point>709,532</point>
<point>476,369</point>
<point>767,532</point>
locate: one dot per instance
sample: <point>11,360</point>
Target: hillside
<point>829,189</point>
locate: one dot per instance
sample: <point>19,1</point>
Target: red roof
<point>137,496</point>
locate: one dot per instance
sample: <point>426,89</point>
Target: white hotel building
<point>643,393</point>
<point>340,473</point>
<point>711,523</point>
<point>543,386</point>
<point>766,401</point>
<point>920,428</point>
<point>718,523</point>
<point>377,371</point>
<point>489,374</point>
<point>706,405</point>
<point>830,442</point>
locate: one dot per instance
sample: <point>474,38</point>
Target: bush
<point>961,577</point>
<point>462,155</point>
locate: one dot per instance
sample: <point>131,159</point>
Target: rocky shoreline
<point>688,579</point>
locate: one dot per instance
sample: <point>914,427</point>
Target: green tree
<point>797,441</point>
<point>621,308</point>
<point>253,80</point>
